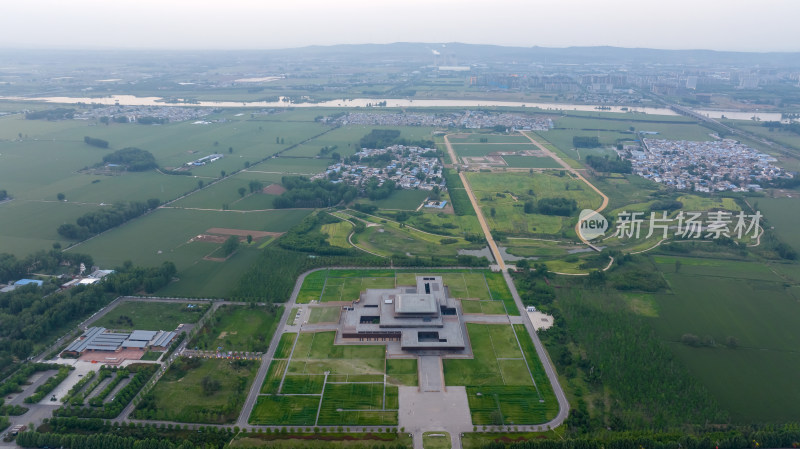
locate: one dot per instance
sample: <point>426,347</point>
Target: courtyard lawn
<point>324,314</point>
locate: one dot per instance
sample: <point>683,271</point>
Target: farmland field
<point>164,235</point>
<point>531,162</point>
<point>719,300</point>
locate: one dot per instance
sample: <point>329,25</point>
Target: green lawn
<point>180,396</point>
<point>402,371</point>
<point>238,328</point>
<point>503,386</point>
<point>324,314</point>
<point>145,315</point>
<point>285,410</point>
<point>436,440</point>
<point>507,193</point>
<point>361,386</point>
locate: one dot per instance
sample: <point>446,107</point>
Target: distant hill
<point>414,53</point>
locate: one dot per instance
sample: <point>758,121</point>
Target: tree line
<point>99,143</point>
<point>302,192</point>
<point>738,438</point>
<point>100,220</point>
<point>608,165</point>
<point>134,159</point>
<point>12,268</point>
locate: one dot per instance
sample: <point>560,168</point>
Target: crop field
<point>483,149</point>
<point>783,214</point>
<point>38,230</point>
<point>503,386</point>
<point>153,316</point>
<point>344,385</point>
<point>531,162</point>
<point>719,300</point>
<point>211,279</point>
<point>50,156</point>
<point>506,194</point>
<point>238,328</point>
<point>165,235</point>
<point>490,138</point>
<point>199,391</point>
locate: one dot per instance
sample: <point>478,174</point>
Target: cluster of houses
<point>408,166</point>
<point>466,119</point>
<point>130,114</point>
<point>705,166</point>
<point>94,277</point>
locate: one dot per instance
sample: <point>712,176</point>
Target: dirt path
<point>486,232</point>
<point>577,175</point>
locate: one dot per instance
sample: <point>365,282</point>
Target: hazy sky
<point>745,25</point>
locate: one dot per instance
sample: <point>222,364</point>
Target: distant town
<point>407,166</point>
<point>465,119</point>
<point>712,166</point>
<point>133,114</point>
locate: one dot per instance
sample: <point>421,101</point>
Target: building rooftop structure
<point>420,317</point>
<point>101,339</point>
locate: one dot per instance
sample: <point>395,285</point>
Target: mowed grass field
<point>747,301</point>
<point>342,385</point>
<point>509,213</point>
<point>506,382</point>
<point>238,328</point>
<point>153,316</point>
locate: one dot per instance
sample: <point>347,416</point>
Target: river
<point>131,100</point>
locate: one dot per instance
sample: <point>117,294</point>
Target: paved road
<point>563,404</point>
<point>255,389</point>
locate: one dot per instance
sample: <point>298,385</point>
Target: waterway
<point>131,100</point>
<point>741,115</point>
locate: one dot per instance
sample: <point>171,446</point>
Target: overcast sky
<point>743,25</point>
